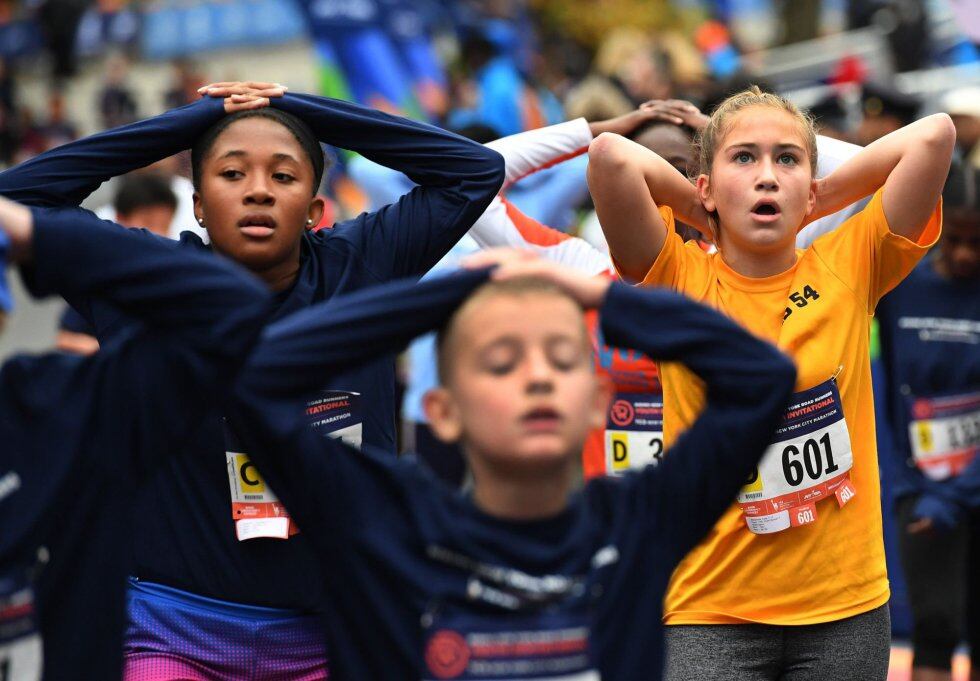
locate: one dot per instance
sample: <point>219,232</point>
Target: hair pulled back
<point>300,130</point>
<point>707,141</point>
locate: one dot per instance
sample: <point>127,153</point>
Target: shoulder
<point>42,383</point>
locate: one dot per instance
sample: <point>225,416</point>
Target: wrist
<point>597,128</point>
<point>599,290</point>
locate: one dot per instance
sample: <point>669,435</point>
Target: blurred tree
<point>590,20</point>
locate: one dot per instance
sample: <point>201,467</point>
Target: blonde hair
<point>510,288</point>
<point>707,140</point>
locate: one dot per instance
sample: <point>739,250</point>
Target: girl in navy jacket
<point>257,166</point>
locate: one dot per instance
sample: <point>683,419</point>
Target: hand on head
<point>676,111</point>
<point>588,291</point>
<point>17,224</point>
<point>243,95</point>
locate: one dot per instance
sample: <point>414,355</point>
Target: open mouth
<point>257,225</point>
<point>766,208</point>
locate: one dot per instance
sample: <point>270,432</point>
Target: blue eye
<point>742,157</point>
<point>787,159</point>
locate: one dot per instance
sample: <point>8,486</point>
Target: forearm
<point>150,279</point>
<point>528,152</point>
<point>428,155</point>
<point>67,174</point>
<point>628,182</point>
<point>747,384</point>
<point>299,353</point>
<point>917,155</point>
<point>736,367</point>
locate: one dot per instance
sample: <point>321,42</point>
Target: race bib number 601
<point>809,460</point>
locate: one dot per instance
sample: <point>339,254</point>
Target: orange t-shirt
<point>831,564</point>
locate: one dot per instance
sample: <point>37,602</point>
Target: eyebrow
<point>754,147</point>
<point>280,156</point>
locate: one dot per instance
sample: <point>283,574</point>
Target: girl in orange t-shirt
<point>791,582</point>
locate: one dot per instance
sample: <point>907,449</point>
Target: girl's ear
<point>198,209</point>
<point>703,185</point>
<point>811,201</point>
<point>315,212</point>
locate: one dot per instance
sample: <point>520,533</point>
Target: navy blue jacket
<point>930,345</point>
<point>186,535</point>
<point>78,435</point>
<point>421,583</point>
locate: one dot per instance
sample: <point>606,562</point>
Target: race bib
<point>545,646</point>
<point>254,506</point>
<point>808,461</point>
<point>20,643</point>
<point>944,433</point>
<point>634,435</point>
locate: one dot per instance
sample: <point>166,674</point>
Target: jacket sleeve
<point>964,489</point>
<point>528,152</point>
<point>320,480</point>
<point>748,383</point>
<point>457,179</point>
<point>198,316</point>
<point>65,175</point>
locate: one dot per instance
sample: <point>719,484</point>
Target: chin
<point>538,458</point>
<point>257,256</point>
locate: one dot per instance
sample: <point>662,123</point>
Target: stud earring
<point>309,222</point>
<point>200,221</point>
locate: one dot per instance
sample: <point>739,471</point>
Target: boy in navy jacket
<point>78,435</point>
<point>524,577</point>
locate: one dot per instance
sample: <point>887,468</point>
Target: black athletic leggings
<point>942,572</point>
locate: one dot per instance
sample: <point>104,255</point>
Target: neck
<point>534,496</point>
<point>759,265</point>
<point>280,277</point>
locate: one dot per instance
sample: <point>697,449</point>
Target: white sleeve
<point>534,150</point>
<point>502,224</point>
<point>831,154</point>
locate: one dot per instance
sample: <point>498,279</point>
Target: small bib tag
<point>256,509</point>
<point>634,435</point>
<point>944,433</point>
<point>809,460</point>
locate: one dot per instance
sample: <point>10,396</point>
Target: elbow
<point>498,169</point>
<point>939,133</point>
<point>493,170</point>
<point>608,151</point>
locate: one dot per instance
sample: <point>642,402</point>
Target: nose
<point>766,179</point>
<point>259,192</point>
<point>540,374</point>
